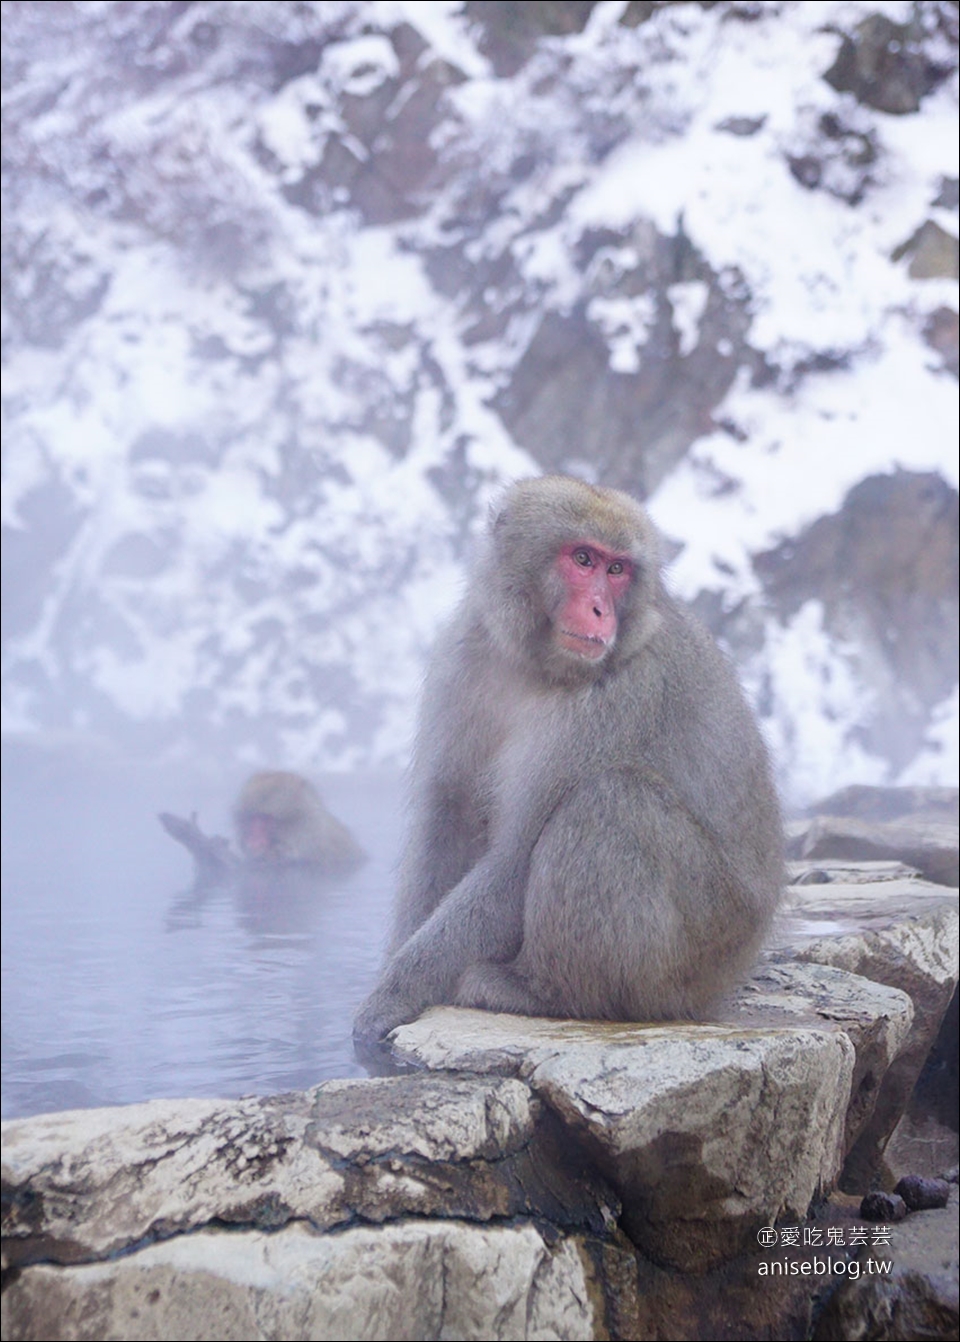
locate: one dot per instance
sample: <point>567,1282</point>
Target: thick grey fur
<point>589,839</point>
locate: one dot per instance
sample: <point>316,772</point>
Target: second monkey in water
<point>280,820</point>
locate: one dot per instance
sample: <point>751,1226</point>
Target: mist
<point>290,291</point>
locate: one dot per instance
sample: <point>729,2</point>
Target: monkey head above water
<point>280,819</point>
<point>595,832</point>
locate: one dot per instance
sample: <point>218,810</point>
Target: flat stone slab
<point>903,933</point>
<point>707,1131</point>
<point>877,1019</point>
<point>411,1279</point>
<point>89,1183</point>
<point>872,964</point>
<point>877,926</point>
<point>929,845</point>
<point>835,871</point>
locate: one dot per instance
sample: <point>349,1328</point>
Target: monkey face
<point>566,580</point>
<point>258,835</point>
<point>594,583</point>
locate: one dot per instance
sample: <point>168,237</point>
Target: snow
<point>801,456</point>
<point>294,488</point>
<point>626,323</point>
<point>689,301</point>
<point>444,27</point>
<point>808,734</point>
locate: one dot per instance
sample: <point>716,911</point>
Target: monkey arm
<point>213,857</point>
<point>450,818</point>
<point>449,838</point>
<point>481,919</point>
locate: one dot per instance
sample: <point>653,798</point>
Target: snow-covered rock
<point>290,290</point>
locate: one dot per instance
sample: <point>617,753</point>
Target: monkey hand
<point>382,1012</point>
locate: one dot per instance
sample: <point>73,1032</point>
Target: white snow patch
<point>626,324</point>
<point>939,760</point>
<point>689,302</point>
<point>443,26</point>
<point>819,701</point>
<point>359,65</point>
<point>800,455</point>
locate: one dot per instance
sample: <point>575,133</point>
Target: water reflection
<point>123,983</point>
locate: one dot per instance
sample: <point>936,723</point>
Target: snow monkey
<point>595,832</point>
<point>280,819</point>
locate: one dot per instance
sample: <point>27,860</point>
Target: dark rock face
<point>380,246</point>
<point>937,1091</point>
<point>565,403</point>
<point>882,65</point>
<point>383,159</point>
<point>885,568</point>
<point>837,155</point>
<point>510,29</point>
<point>906,1289</point>
<point>934,253</point>
<point>942,333</point>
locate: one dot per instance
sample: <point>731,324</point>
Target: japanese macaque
<point>595,832</point>
<point>280,819</point>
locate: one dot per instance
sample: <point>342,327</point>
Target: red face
<point>595,582</point>
<point>257,834</point>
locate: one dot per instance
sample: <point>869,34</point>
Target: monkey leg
<point>481,920</point>
<point>496,987</point>
<point>631,912</point>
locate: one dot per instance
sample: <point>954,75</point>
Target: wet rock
<point>904,1290</point>
<point>706,1131</point>
<point>880,1206</point>
<point>876,1019</point>
<point>415,1279</point>
<point>902,933</point>
<point>921,1194</point>
<point>89,1183</point>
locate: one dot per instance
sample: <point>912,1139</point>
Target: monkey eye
<point>616,567</point>
<point>582,557</point>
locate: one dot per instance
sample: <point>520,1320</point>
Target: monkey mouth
<point>590,646</point>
